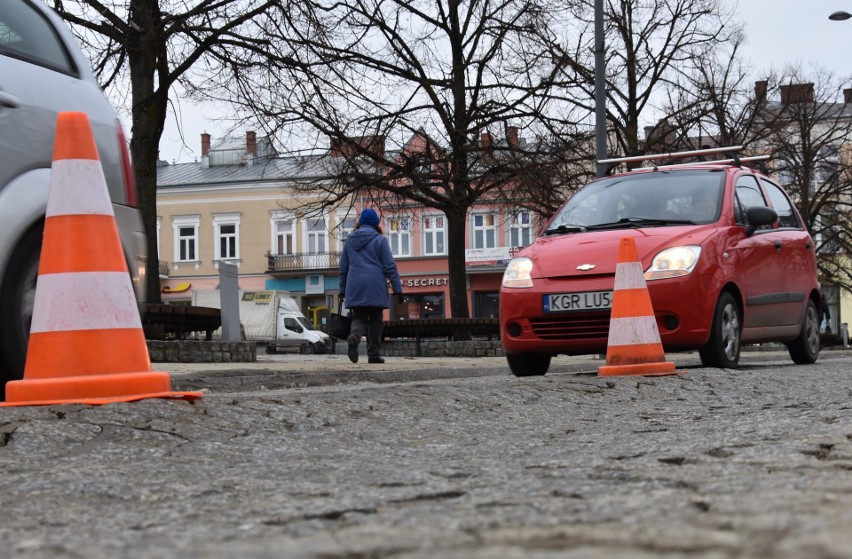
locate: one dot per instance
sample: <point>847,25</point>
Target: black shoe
<point>352,342</point>
<point>376,360</point>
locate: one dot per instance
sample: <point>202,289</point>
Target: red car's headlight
<point>518,273</point>
<point>673,262</point>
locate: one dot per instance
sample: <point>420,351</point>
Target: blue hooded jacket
<point>365,267</point>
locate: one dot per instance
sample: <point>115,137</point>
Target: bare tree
<point>723,102</point>
<point>152,46</point>
<point>809,131</point>
<point>423,103</point>
<point>652,49</point>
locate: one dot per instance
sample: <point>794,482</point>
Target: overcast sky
<point>779,32</point>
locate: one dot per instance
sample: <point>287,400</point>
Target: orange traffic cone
<point>86,343</point>
<point>634,346</point>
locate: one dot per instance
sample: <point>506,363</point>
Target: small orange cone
<point>634,346</point>
<point>86,342</point>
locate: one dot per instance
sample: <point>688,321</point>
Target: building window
<point>827,167</point>
<point>159,223</point>
<point>828,232</point>
<point>520,229</point>
<point>316,235</point>
<point>345,226</point>
<point>785,176</point>
<point>226,231</point>
<point>434,232</point>
<point>186,238</point>
<point>484,230</point>
<point>399,235</point>
<point>283,233</point>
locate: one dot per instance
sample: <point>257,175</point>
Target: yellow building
<point>238,205</point>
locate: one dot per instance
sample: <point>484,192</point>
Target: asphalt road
<point>315,457</point>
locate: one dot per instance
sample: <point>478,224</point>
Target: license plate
<point>584,301</point>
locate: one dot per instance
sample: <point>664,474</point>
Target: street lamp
<point>840,16</point>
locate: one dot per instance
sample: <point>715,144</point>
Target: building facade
<point>239,205</point>
<point>810,147</point>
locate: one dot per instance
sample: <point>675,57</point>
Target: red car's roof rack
<point>732,151</point>
<point>733,161</point>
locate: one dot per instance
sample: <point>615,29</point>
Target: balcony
<point>294,263</point>
<point>164,269</point>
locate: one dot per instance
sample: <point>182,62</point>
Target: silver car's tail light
<point>129,178</point>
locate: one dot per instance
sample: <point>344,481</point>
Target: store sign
<point>314,284</point>
<point>426,282</point>
<point>258,297</point>
<point>486,255</point>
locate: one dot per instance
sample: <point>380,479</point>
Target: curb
<point>237,379</point>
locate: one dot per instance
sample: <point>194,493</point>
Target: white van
<point>272,318</point>
<point>294,329</point>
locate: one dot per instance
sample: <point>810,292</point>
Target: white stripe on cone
<point>629,275</point>
<point>77,187</point>
<point>84,301</point>
<point>633,330</point>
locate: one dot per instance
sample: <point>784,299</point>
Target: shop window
<point>420,305</point>
<point>486,304</point>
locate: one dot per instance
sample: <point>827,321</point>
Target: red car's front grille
<point>571,327</point>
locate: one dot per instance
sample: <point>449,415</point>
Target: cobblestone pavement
<point>710,464</point>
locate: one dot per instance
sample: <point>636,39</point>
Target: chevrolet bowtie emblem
<point>585,267</point>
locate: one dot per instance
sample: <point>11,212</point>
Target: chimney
<point>205,150</point>
<point>847,96</point>
<point>372,143</point>
<point>485,141</point>
<point>334,147</point>
<point>205,144</point>
<point>797,93</point>
<point>760,88</point>
<point>251,143</point>
<point>512,139</point>
<point>375,143</point>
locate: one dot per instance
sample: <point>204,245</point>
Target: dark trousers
<point>368,320</point>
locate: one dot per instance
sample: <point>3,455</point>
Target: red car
<point>726,256</point>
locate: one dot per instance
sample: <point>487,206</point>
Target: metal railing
<point>299,262</point>
<point>164,268</point>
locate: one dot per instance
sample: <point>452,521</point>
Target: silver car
<point>43,72</point>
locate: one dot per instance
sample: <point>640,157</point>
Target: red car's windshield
<point>657,198</point>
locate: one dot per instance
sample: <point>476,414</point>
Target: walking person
<point>825,314</point>
<point>366,266</point>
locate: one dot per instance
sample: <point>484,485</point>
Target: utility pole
<point>600,92</point>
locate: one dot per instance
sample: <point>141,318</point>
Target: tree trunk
<point>147,59</point>
<point>456,226</point>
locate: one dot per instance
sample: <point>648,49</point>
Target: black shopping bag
<point>339,325</point>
